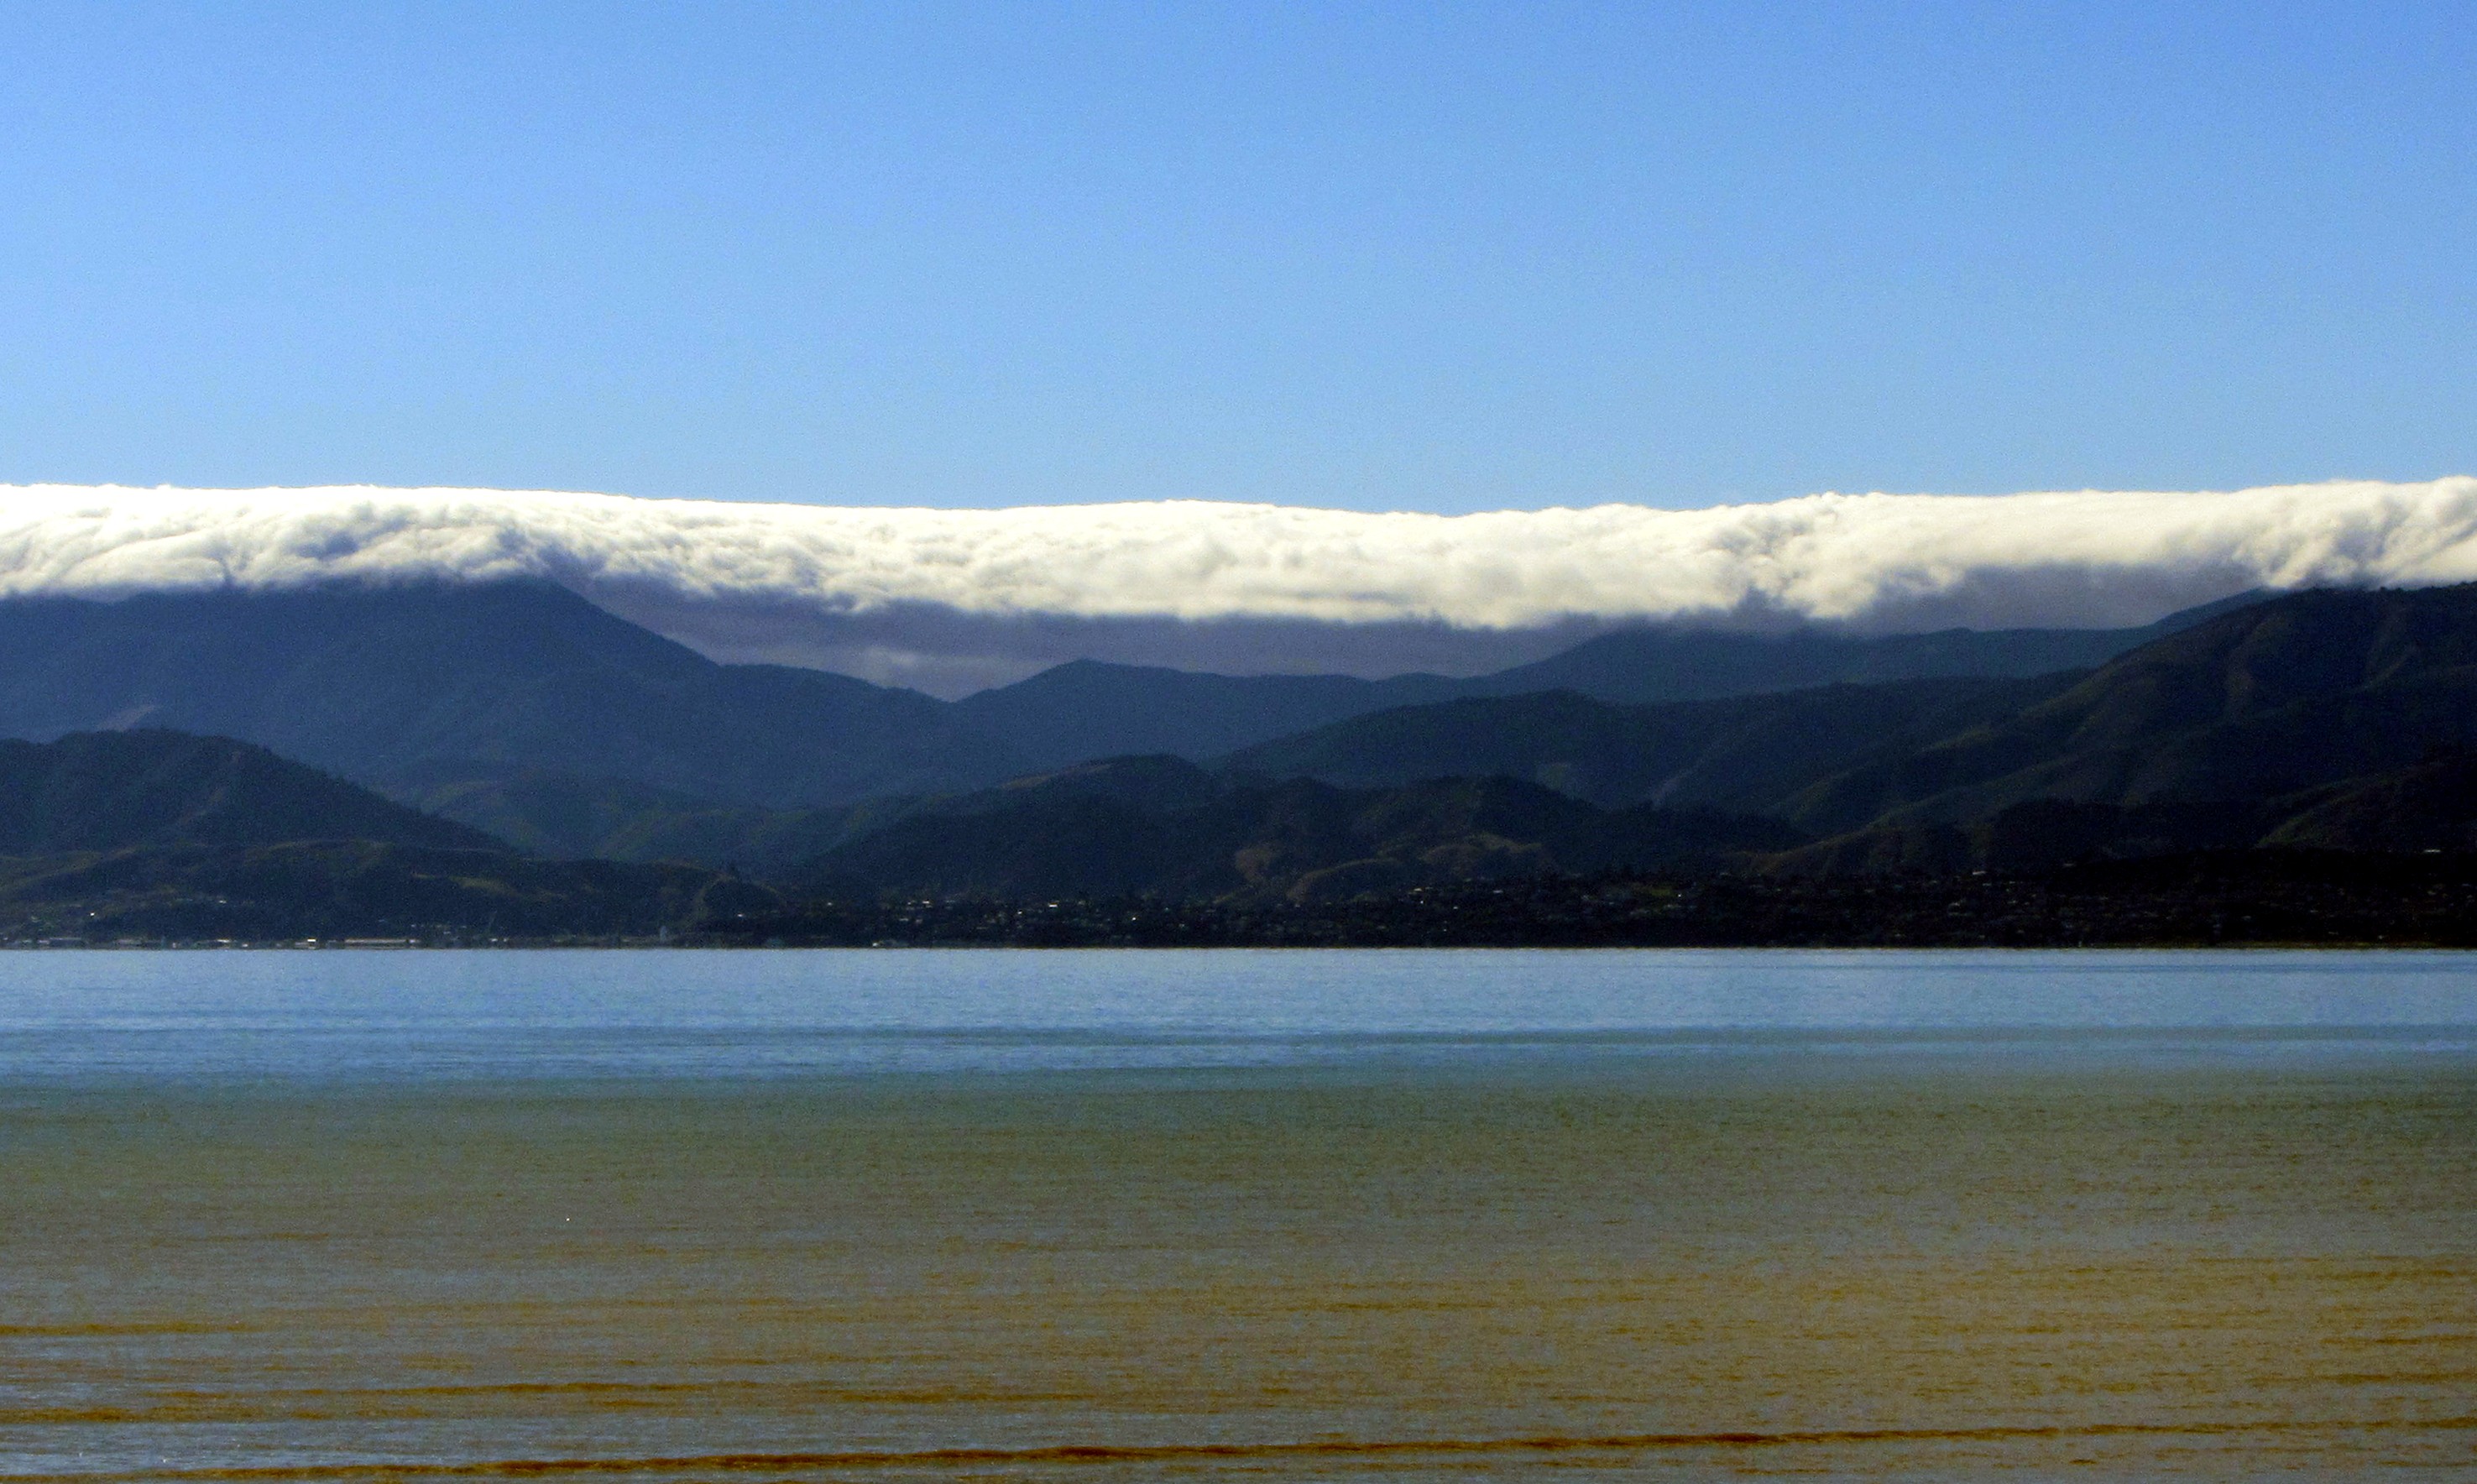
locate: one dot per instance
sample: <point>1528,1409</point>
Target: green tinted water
<point>1946,1254</point>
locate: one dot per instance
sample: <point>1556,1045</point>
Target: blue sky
<point>1374,257</point>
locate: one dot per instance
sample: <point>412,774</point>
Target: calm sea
<point>1134,1215</point>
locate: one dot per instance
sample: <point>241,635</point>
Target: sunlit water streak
<point>1297,1214</point>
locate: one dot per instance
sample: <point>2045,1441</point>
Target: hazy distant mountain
<point>1650,666</point>
<point>373,683</point>
<point>1093,710</point>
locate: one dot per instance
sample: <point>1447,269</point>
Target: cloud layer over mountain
<point>953,598</point>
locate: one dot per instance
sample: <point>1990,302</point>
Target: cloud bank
<point>953,598</point>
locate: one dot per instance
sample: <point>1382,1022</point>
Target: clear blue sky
<point>1424,255</point>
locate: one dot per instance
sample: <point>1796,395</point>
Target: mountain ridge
<point>401,687</point>
<point>370,683</point>
<point>2322,723</point>
<point>2306,692</point>
<point>2314,721</point>
<point>114,791</point>
<point>154,834</point>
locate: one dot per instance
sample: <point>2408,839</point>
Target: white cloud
<point>1017,587</point>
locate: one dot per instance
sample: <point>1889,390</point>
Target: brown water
<point>2225,1255</point>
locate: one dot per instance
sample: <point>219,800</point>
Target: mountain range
<point>521,709</point>
<point>2343,719</point>
<point>513,727</point>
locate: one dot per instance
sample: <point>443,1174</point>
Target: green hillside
<point>111,790</point>
<point>1160,826</point>
<point>2300,694</point>
<point>162,835</point>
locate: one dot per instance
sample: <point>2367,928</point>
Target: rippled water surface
<point>1128,1216</point>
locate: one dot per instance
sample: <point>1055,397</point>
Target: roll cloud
<point>953,598</point>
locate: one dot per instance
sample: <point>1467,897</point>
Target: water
<point>365,1017</point>
<point>1135,1215</point>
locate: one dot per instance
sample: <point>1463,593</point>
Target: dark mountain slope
<point>1160,826</point>
<point>1745,753</point>
<point>158,834</point>
<point>2299,692</point>
<point>110,791</point>
<point>373,683</point>
<point>2431,806</point>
